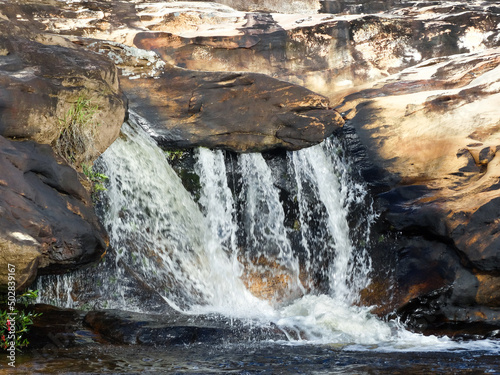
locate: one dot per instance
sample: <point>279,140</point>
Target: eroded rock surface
<point>41,86</point>
<point>53,93</point>
<point>323,52</point>
<point>433,129</point>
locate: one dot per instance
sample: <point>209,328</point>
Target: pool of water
<point>254,358</point>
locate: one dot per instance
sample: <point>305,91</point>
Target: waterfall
<point>331,190</point>
<point>159,231</point>
<point>229,247</point>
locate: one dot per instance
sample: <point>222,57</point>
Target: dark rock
<point>58,328</point>
<point>120,327</point>
<point>477,235</point>
<point>237,111</point>
<point>45,211</point>
<point>424,267</point>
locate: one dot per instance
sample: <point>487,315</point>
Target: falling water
<point>229,251</point>
<point>330,192</point>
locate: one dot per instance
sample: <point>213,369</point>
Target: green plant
<point>174,154</point>
<point>15,322</point>
<point>78,127</point>
<point>96,178</point>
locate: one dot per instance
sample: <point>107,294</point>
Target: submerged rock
<point>121,327</point>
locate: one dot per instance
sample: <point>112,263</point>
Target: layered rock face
<point>433,130</point>
<point>47,219</point>
<point>240,112</point>
<point>234,111</point>
<point>326,53</point>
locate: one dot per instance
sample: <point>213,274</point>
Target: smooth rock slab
<point>243,112</point>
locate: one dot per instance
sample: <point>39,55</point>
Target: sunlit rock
<point>50,87</point>
<point>236,111</point>
<point>434,128</point>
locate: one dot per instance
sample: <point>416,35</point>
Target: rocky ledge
<point>235,111</point>
<point>241,112</point>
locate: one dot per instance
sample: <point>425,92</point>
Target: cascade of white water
<point>158,229</point>
<point>330,193</point>
<point>200,256</point>
<point>216,199</point>
<point>263,219</point>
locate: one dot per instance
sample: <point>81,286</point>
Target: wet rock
<point>57,328</point>
<point>120,327</point>
<point>476,233</point>
<point>47,222</point>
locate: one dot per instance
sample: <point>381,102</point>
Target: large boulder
<point>59,94</point>
<point>236,111</point>
<point>122,327</point>
<point>241,112</point>
<point>47,219</point>
<point>55,94</point>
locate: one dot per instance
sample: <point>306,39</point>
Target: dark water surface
<point>253,358</point>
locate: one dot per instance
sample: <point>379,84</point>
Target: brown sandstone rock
<point>434,128</point>
<point>24,257</point>
<point>55,93</point>
<point>236,111</point>
<point>41,84</point>
<point>47,222</point>
<point>325,53</point>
